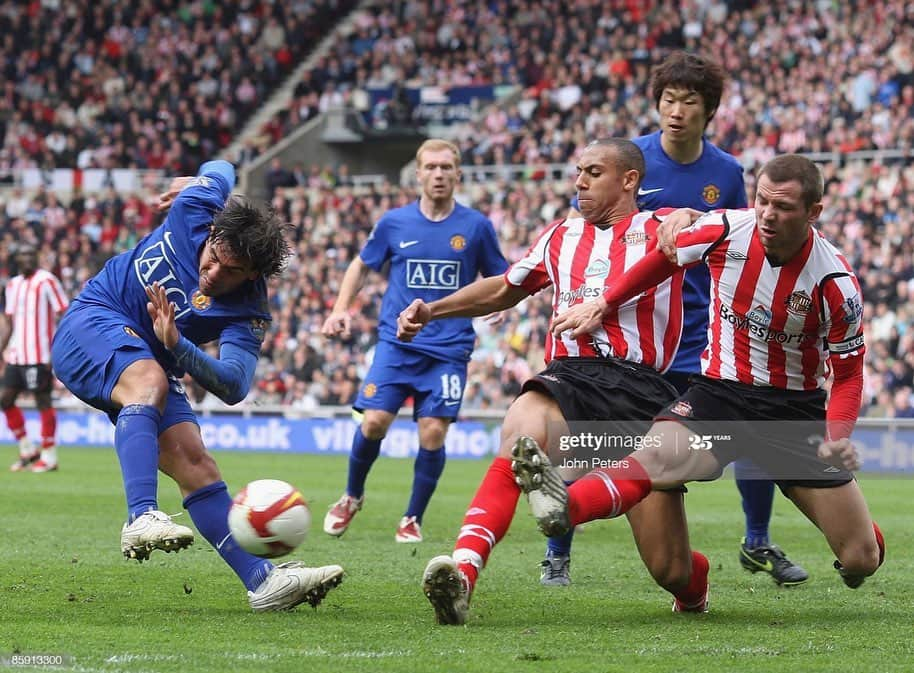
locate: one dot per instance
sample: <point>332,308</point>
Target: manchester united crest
<point>798,303</point>
<point>200,301</point>
<point>458,242</point>
<point>710,194</point>
<point>369,390</point>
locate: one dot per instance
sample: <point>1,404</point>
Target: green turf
<point>65,588</point>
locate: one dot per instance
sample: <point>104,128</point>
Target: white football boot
<point>292,583</point>
<point>153,530</point>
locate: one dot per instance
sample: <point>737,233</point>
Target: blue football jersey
<point>713,181</point>
<point>430,260</point>
<point>170,255</point>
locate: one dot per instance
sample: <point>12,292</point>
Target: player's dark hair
<point>681,70</point>
<point>789,167</point>
<point>253,234</point>
<point>627,155</point>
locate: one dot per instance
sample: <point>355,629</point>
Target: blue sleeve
<point>377,248</point>
<point>230,376</point>
<point>574,202</point>
<point>221,168</point>
<point>208,191</point>
<point>492,261</point>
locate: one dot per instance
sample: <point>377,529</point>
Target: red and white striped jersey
<point>33,304</point>
<point>580,260</point>
<point>773,326</point>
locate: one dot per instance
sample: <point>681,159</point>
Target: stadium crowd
<point>112,87</point>
<point>869,212</point>
<point>802,79</point>
<point>151,84</point>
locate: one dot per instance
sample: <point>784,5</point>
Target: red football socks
<point>488,517</point>
<point>608,492</point>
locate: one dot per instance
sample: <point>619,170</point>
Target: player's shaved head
<point>622,153</point>
<point>253,234</point>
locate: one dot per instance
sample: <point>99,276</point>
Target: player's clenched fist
<point>337,323</point>
<point>840,453</point>
<point>412,319</point>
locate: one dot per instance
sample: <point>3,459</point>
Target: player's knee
<point>861,558</point>
<point>146,385</point>
<point>7,399</point>
<point>431,436</point>
<point>43,400</point>
<point>374,427</point>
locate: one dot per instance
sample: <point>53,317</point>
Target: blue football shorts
<point>396,373</point>
<point>92,348</point>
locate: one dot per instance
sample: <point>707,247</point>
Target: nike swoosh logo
<point>451,404</point>
<point>223,541</point>
<point>767,566</point>
<point>406,244</point>
<point>644,192</point>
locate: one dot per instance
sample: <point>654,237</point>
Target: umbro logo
<point>406,244</point>
<point>737,255</point>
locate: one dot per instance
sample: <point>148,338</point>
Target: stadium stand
<point>153,84</point>
<point>583,69</point>
<point>869,213</point>
<point>110,88</point>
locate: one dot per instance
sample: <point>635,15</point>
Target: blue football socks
<point>426,471</point>
<point>757,492</point>
<point>136,440</point>
<point>209,507</point>
<point>364,452</point>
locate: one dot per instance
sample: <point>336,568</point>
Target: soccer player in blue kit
<point>685,170</point>
<point>132,333</point>
<point>434,246</point>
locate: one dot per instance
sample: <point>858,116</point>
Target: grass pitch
<point>66,590</point>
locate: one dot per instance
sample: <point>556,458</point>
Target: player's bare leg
<point>661,533</point>
<point>448,581</point>
<point>841,513</point>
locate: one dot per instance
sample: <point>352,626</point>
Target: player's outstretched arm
<point>486,295</point>
<point>339,321</point>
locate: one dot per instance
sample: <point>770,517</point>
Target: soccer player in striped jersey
<point>33,301</point>
<point>785,312</point>
<point>684,169</point>
<point>610,372</point>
